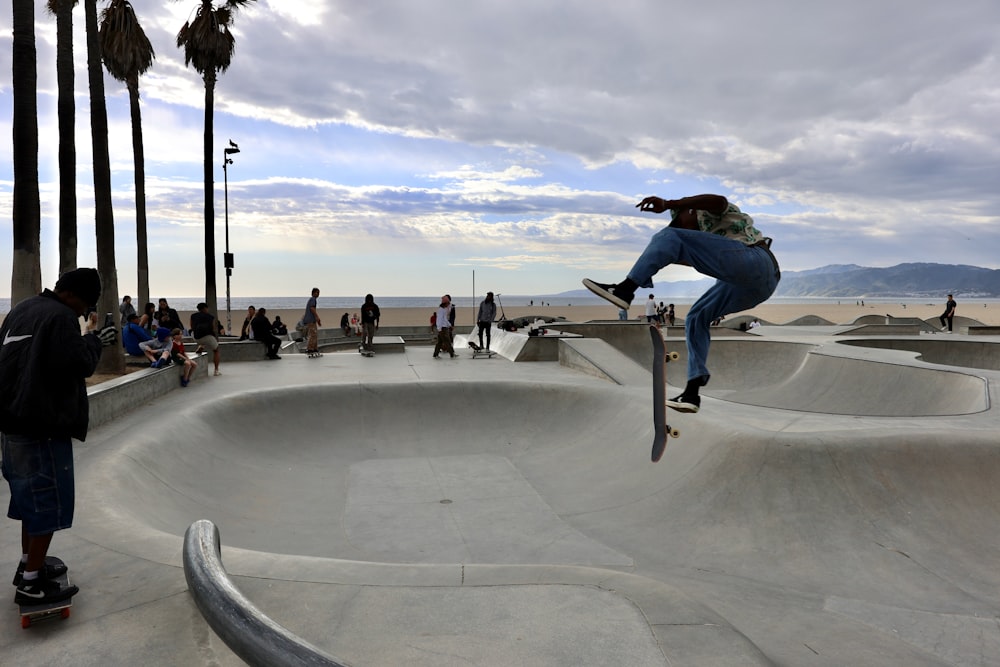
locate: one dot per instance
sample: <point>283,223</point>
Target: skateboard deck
<point>364,352</point>
<point>478,351</point>
<point>32,613</point>
<point>661,429</point>
<point>314,354</point>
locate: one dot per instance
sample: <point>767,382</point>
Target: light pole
<point>228,257</point>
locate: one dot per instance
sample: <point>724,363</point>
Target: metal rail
<point>245,629</point>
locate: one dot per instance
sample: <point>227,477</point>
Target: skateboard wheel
<point>672,356</point>
<point>65,612</point>
<point>25,622</point>
<point>673,432</point>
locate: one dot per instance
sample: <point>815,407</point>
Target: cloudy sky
<point>398,146</point>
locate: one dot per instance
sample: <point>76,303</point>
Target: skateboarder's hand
<point>654,204</point>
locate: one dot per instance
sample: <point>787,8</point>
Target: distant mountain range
<point>852,281</point>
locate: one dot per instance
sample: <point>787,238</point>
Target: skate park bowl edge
<point>824,507</point>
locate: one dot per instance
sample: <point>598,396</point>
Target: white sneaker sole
<point>683,407</point>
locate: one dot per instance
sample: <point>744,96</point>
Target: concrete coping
<point>246,630</point>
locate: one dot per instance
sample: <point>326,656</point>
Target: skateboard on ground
<point>478,351</point>
<point>31,613</point>
<point>662,430</point>
<point>366,352</point>
<point>313,354</point>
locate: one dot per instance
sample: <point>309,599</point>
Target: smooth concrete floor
<point>409,510</point>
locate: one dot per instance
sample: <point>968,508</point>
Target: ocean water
<point>184,303</point>
<point>188,303</point>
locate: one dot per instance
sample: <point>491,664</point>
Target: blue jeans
<point>746,277</point>
<point>39,472</point>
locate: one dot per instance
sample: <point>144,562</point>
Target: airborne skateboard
<point>662,430</point>
<point>478,351</point>
<point>31,613</point>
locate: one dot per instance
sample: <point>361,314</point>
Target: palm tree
<point>127,54</point>
<point>63,11</point>
<point>26,273</point>
<point>208,47</point>
<point>112,361</point>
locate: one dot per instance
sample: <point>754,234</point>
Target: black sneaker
<point>49,571</point>
<point>613,293</point>
<point>685,403</point>
<point>43,591</point>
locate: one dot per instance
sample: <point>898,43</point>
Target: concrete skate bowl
<point>948,352</point>
<point>837,545</point>
<point>811,378</point>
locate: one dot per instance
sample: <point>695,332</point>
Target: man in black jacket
<point>262,333</point>
<point>43,405</point>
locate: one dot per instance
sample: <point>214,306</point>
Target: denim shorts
<point>39,472</point>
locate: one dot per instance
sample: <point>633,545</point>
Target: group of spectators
<point>443,322</point>
<point>158,335</point>
<point>654,313</point>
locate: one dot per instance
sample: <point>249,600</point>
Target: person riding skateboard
<point>43,405</point>
<point>370,315</point>
<point>713,236</point>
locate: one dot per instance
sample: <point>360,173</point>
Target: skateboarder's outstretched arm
<point>715,204</point>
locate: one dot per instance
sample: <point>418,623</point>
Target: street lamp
<point>228,257</point>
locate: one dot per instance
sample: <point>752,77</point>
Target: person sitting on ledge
<point>261,327</point>
<point>132,335</point>
<point>157,350</point>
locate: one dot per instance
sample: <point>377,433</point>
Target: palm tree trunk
<point>113,360</point>
<point>139,165</point>
<point>67,136</point>
<point>211,297</point>
<point>26,274</point>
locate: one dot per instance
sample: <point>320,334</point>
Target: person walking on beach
<point>671,315</point>
<point>370,315</point>
<point>43,405</point>
<point>714,237</point>
<point>443,325</point>
<point>949,314</point>
<point>312,323</point>
<point>484,319</point>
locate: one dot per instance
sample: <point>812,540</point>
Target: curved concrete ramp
<point>949,352</point>
<point>437,519</point>
<point>808,378</point>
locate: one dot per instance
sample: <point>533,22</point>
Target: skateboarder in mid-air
<point>714,237</point>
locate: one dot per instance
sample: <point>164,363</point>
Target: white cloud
<point>519,134</point>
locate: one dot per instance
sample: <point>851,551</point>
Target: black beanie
<point>84,283</point>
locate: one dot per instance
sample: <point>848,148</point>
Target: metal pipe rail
<point>245,629</point>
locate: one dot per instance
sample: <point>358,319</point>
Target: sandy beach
<point>777,313</point>
<point>773,313</point>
